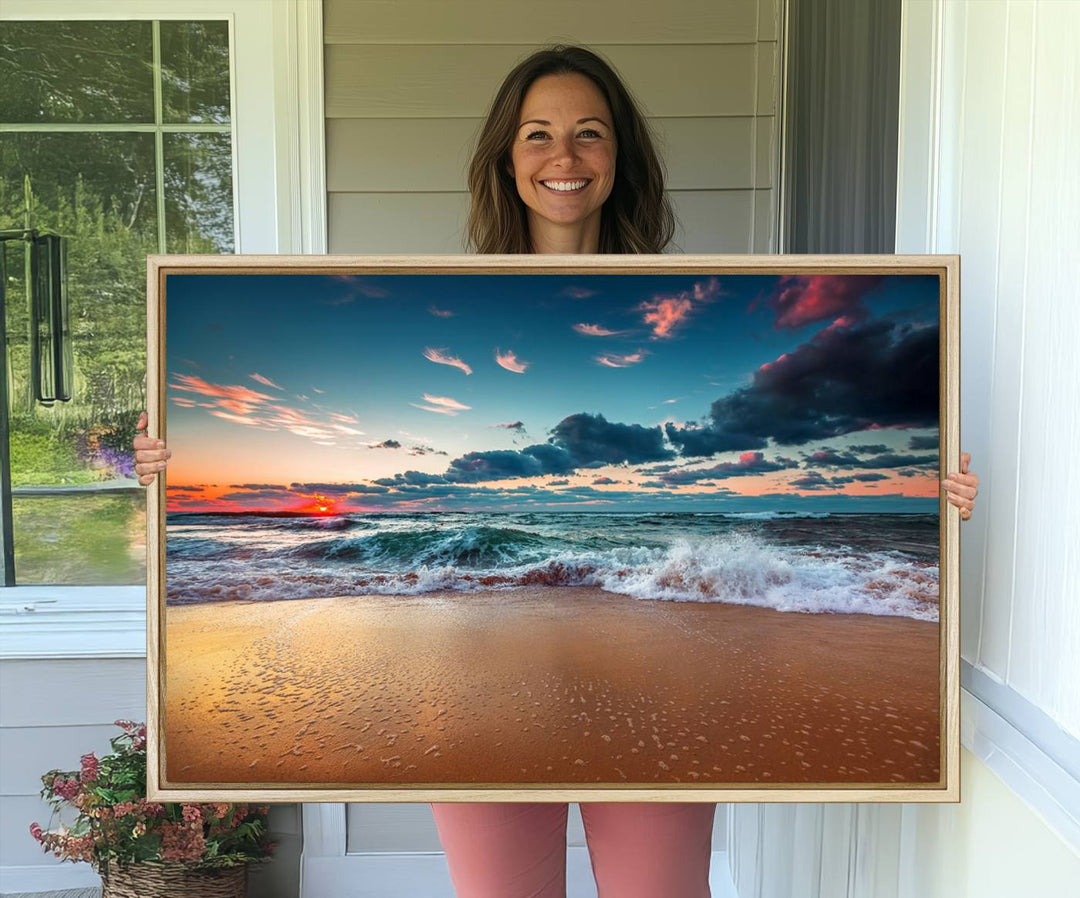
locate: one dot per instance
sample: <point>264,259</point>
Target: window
<point>116,135</point>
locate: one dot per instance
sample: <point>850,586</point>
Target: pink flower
<point>192,814</point>
<point>181,842</point>
<point>150,808</point>
<point>89,767</point>
<point>36,831</point>
<point>65,788</point>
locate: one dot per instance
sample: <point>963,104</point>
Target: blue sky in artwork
<point>282,379</point>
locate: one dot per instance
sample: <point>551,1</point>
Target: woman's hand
<point>962,488</point>
<point>150,454</point>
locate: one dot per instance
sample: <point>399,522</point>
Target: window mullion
<point>159,136</point>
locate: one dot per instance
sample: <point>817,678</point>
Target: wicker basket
<point>160,880</point>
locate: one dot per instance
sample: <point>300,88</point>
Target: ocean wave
<point>735,568</point>
<point>468,547</point>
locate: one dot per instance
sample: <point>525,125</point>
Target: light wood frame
<point>946,267</point>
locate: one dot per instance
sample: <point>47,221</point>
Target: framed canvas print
<point>554,528</point>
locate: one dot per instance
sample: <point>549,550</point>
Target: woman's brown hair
<point>637,216</point>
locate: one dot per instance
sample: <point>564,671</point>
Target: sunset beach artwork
<point>552,529</point>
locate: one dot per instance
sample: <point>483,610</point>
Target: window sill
<point>73,622</point>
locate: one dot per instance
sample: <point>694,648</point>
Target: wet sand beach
<point>546,686</point>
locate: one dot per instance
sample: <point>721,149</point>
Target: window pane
<point>81,539</point>
<point>195,71</point>
<point>198,193</point>
<point>76,72</point>
<point>97,190</point>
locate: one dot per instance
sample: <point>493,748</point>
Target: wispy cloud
<point>236,419</point>
<point>442,357</point>
<point>614,360</point>
<point>510,361</point>
<point>265,381</point>
<point>511,425</point>
<point>446,402</point>
<point>441,405</point>
<point>576,292</point>
<point>440,313</point>
<point>192,384</point>
<point>594,330</point>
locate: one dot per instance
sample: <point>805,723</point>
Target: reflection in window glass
<point>79,515</point>
<point>63,72</point>
<point>195,71</point>
<point>81,539</point>
<point>198,193</point>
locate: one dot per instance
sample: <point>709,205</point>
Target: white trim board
<point>1045,786</point>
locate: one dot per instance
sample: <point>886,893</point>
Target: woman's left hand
<point>962,488</point>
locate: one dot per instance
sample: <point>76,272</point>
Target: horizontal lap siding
<point>408,83</point>
<point>53,712</point>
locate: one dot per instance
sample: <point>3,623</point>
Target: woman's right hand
<point>150,454</point>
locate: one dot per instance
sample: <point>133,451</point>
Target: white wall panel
<point>1044,662</point>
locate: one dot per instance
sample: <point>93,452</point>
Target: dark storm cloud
<point>844,379</point>
<point>578,441</point>
<point>867,449</point>
<point>336,489</point>
<point>862,478</point>
<point>930,442</point>
<point>592,438</point>
<point>497,464</point>
<point>830,458</point>
<point>411,478</point>
<point>386,444</point>
<point>812,481</point>
<point>748,463</point>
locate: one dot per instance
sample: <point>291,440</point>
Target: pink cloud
<point>441,357</point>
<point>193,384</point>
<point>613,360</point>
<point>594,330</point>
<point>510,361</point>
<point>265,381</point>
<point>665,314</point>
<point>802,299</point>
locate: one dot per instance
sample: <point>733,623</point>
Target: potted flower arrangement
<point>142,847</point>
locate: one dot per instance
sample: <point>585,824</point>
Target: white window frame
<point>279,201</point>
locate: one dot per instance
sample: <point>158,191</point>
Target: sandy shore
<point>546,686</point>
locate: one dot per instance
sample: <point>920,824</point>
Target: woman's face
<point>563,154</point>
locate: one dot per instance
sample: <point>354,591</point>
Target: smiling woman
<point>563,117</point>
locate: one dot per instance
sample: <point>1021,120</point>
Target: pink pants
<point>642,850</point>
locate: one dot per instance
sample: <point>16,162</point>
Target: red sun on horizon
<point>318,506</point>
